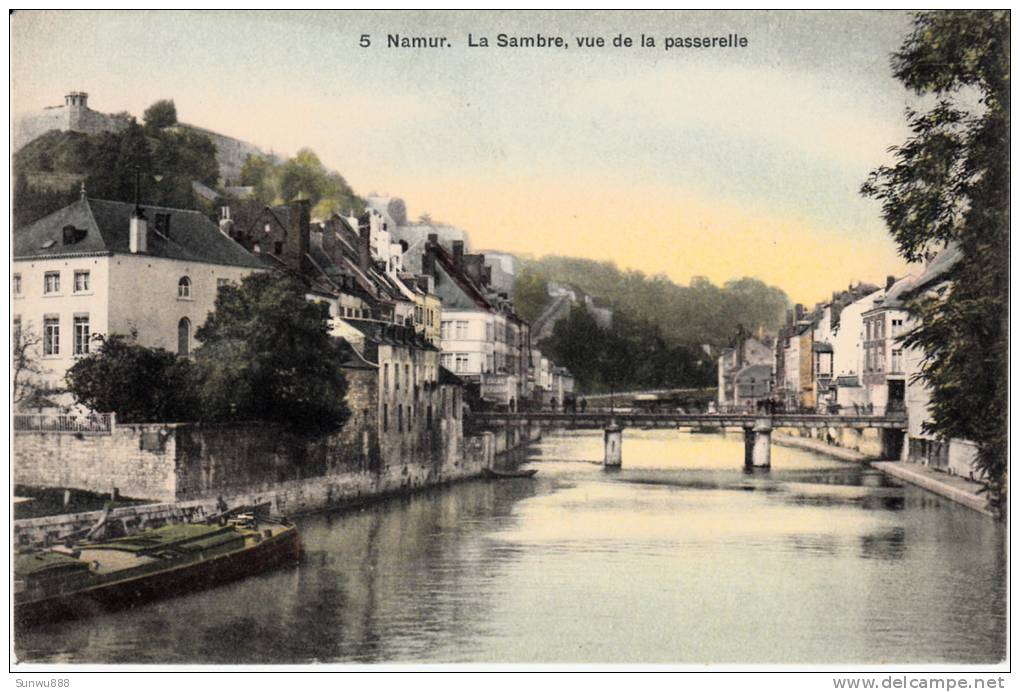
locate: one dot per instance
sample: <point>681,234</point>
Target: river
<point>680,557</point>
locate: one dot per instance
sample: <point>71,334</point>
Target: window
<point>184,288</point>
<point>81,335</point>
<point>446,360</point>
<point>278,247</point>
<point>51,282</point>
<point>400,419</point>
<point>220,283</point>
<point>385,417</point>
<point>396,377</point>
<point>462,328</point>
<point>184,337</point>
<point>461,362</point>
<point>897,360</point>
<point>16,329</point>
<point>407,375</point>
<point>444,329</point>
<point>162,224</point>
<point>81,282</point>
<point>897,327</point>
<point>51,336</point>
<point>16,284</point>
<point>488,331</point>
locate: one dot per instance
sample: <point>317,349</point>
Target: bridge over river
<point>757,427</point>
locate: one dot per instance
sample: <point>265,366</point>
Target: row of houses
<point>102,267</point>
<point>847,355</point>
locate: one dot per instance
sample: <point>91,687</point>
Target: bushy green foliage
<point>632,354</point>
<point>531,293</point>
<point>169,159</point>
<point>950,183</point>
<point>140,384</point>
<point>266,354</point>
<point>301,177</point>
<point>160,114</point>
<point>701,313</point>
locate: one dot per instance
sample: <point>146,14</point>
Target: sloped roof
<point>463,282</point>
<point>756,370</point>
<point>103,229</point>
<point>899,292</point>
<point>352,360</point>
<point>390,334</point>
<point>939,267</point>
<point>447,377</point>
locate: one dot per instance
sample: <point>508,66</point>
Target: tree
<point>267,354</point>
<point>531,293</point>
<point>160,114</point>
<point>257,172</point>
<point>950,184</point>
<point>140,384</point>
<point>301,177</point>
<point>24,362</point>
<point>700,313</point>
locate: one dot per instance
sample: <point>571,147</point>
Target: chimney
<point>428,260</point>
<point>458,253</point>
<point>298,232</point>
<point>433,238</point>
<point>799,307</point>
<point>364,241</point>
<point>487,275</point>
<point>889,281</point>
<point>329,244</point>
<point>138,232</point>
<point>789,318</point>
<point>471,265</point>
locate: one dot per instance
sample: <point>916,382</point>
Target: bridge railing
<point>889,420</point>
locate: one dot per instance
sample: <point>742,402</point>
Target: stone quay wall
<point>868,442</point>
<point>185,468</point>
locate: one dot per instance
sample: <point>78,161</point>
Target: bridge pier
<point>758,444</point>
<point>613,439</point>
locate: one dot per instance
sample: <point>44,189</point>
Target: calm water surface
<point>680,557</point>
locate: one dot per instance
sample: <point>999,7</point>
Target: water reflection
<point>887,544</point>
<point>678,557</point>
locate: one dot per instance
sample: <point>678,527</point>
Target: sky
<point>721,162</point>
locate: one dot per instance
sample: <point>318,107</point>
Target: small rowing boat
<point>525,473</point>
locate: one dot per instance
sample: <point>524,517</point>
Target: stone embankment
<point>960,490</point>
<point>186,469</point>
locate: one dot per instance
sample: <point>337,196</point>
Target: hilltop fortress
<point>76,116</point>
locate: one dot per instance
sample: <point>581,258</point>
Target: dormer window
<point>163,223</point>
<point>184,288</point>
